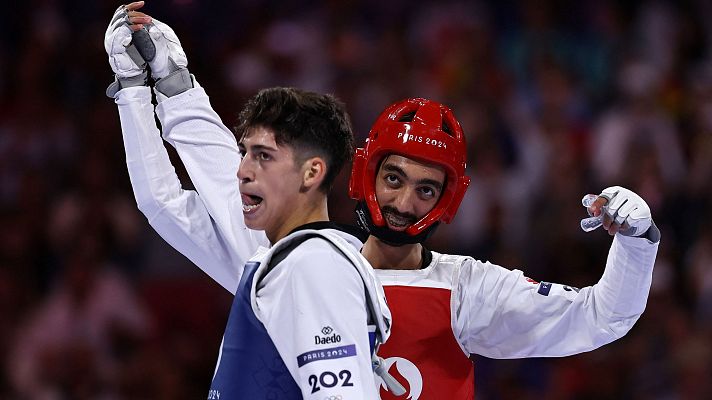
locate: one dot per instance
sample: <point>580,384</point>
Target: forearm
<point>207,148</point>
<point>152,175</point>
<point>622,291</point>
<point>210,154</point>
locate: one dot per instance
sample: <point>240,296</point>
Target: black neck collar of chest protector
<point>350,229</point>
<point>388,236</point>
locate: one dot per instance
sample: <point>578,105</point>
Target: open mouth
<point>250,203</point>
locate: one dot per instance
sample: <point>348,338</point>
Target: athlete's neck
<point>384,256</point>
<point>308,212</point>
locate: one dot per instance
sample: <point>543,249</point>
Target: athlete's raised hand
<point>623,211</point>
<point>124,59</point>
<point>165,55</point>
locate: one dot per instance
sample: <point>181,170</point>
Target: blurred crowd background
<point>558,99</point>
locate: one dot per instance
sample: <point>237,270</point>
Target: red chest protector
<point>422,353</point>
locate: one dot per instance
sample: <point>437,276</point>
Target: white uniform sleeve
<point>498,313</point>
<point>209,151</point>
<point>178,215</point>
<point>315,312</point>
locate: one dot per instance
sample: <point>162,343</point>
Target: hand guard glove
<point>125,60</point>
<point>169,53</point>
<point>624,208</point>
<point>169,66</point>
<point>628,210</point>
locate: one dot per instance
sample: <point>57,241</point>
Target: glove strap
<point>175,83</point>
<point>135,56</point>
<point>652,234</point>
<point>123,83</point>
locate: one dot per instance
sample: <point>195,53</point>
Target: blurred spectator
<point>73,344</point>
<point>639,119</point>
<point>699,262</point>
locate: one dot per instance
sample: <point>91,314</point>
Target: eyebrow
<point>256,147</point>
<point>394,168</point>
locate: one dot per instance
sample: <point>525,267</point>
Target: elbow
<point>152,205</point>
<point>152,199</point>
<point>153,188</point>
<point>148,206</point>
<point>148,211</point>
<point>618,328</point>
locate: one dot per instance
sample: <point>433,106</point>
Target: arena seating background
<point>558,99</point>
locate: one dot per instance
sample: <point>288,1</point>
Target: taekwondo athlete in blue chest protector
<point>308,312</point>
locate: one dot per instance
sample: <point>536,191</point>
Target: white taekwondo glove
<point>126,62</point>
<point>169,66</point>
<point>631,212</point>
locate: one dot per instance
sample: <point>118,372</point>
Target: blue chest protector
<point>250,366</point>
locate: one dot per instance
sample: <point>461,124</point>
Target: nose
<point>405,201</point>
<point>245,172</point>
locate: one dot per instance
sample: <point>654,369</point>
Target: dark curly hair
<point>312,124</point>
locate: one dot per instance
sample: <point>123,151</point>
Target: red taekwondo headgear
<point>422,130</point>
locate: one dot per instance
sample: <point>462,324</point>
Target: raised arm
<point>210,154</point>
<point>207,148</point>
<point>500,313</point>
<point>178,215</point>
